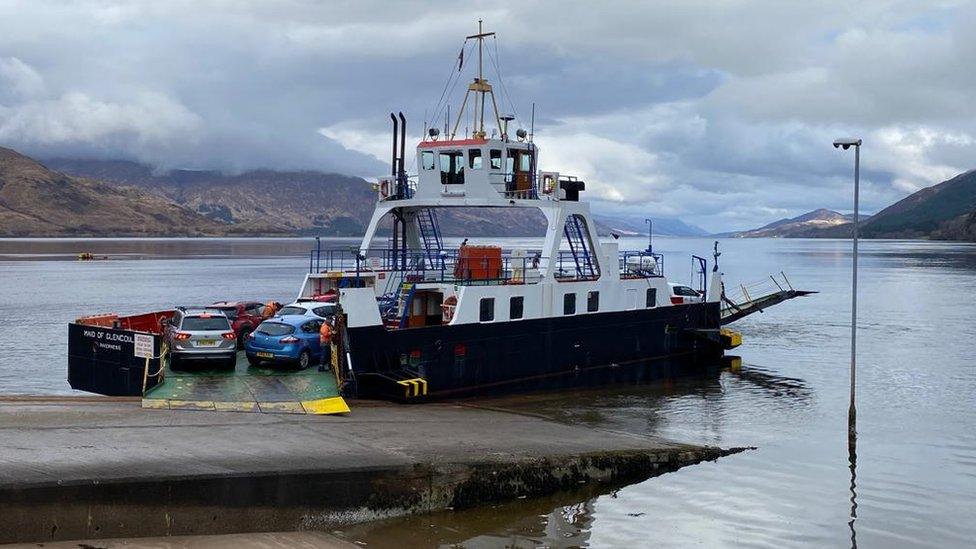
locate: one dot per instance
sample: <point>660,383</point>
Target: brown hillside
<point>36,201</point>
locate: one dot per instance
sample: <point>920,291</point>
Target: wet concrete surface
<point>107,468</point>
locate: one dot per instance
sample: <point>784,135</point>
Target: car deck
<point>247,388</point>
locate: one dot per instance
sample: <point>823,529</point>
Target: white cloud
<point>720,112</point>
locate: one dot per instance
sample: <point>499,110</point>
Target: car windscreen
<point>292,310</point>
<point>229,312</point>
<point>205,323</point>
<point>275,328</point>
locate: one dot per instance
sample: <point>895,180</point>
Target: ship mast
<point>479,86</point>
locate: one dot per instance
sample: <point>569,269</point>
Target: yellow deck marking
<point>155,404</point>
<point>334,405</point>
<point>191,405</point>
<point>236,407</point>
<point>281,407</point>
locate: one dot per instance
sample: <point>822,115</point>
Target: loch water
<point>913,483</point>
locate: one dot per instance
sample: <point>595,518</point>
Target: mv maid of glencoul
<point>419,319</point>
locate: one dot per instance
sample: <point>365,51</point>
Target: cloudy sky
<point>720,113</point>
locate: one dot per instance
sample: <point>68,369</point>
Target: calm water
<point>916,460</point>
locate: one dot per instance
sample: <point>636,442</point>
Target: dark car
<point>244,316</point>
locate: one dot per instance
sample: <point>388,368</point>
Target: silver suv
<point>201,334</point>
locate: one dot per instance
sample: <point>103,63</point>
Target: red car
<point>244,316</point>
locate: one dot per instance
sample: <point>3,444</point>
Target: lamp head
<point>846,142</point>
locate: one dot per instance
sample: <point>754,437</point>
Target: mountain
<point>36,201</point>
<point>946,211</point>
<point>798,226</point>
<point>939,211</point>
<point>630,225</point>
<point>305,202</point>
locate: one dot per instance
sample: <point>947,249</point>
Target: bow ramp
<point>747,299</point>
<point>248,389</point>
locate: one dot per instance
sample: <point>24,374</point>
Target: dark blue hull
<point>525,355</point>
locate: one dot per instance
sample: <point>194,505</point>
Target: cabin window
<point>525,162</point>
<point>427,160</point>
<point>515,307</point>
<point>452,167</point>
<point>569,304</point>
<point>510,161</point>
<point>487,309</point>
<point>474,159</point>
<point>651,297</point>
<point>592,302</point>
<point>496,159</point>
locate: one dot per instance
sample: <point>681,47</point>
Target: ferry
<point>420,319</point>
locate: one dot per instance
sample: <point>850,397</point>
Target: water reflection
<point>852,461</point>
<point>563,520</point>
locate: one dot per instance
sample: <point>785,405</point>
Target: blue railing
<point>449,266</point>
<point>641,264</point>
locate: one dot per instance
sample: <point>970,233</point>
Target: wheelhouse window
<point>474,159</point>
<point>495,159</point>
<point>569,304</point>
<point>525,162</point>
<point>651,297</point>
<point>592,302</point>
<point>510,161</point>
<point>487,309</point>
<point>427,160</point>
<point>515,307</point>
<point>452,167</point>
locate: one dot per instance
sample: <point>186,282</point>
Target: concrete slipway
<point>93,468</point>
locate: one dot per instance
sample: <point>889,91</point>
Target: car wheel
<point>231,363</point>
<point>174,362</point>
<point>304,359</point>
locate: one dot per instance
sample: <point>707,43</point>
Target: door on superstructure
<point>519,165</point>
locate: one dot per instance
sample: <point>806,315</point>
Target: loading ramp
<point>747,299</point>
<point>247,388</point>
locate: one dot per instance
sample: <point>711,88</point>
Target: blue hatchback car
<point>289,339</point>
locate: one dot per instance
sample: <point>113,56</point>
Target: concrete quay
<point>96,468</point>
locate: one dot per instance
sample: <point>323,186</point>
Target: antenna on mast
<point>479,86</point>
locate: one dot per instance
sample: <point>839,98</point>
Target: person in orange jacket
<point>270,308</point>
<point>325,344</point>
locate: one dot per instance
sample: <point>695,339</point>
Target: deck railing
<point>513,267</point>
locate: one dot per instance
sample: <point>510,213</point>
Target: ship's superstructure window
<point>515,307</point>
<point>592,302</point>
<point>651,297</point>
<point>496,159</point>
<point>487,309</point>
<point>474,159</point>
<point>427,160</point>
<point>452,167</point>
<point>525,161</point>
<point>569,304</point>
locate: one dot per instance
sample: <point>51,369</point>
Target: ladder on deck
<point>579,247</point>
<point>430,235</point>
<point>397,314</point>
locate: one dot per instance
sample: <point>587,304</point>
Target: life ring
<point>447,309</point>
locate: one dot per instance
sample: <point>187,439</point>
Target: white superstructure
<point>415,281</point>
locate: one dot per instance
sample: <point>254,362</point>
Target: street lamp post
<point>847,143</point>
